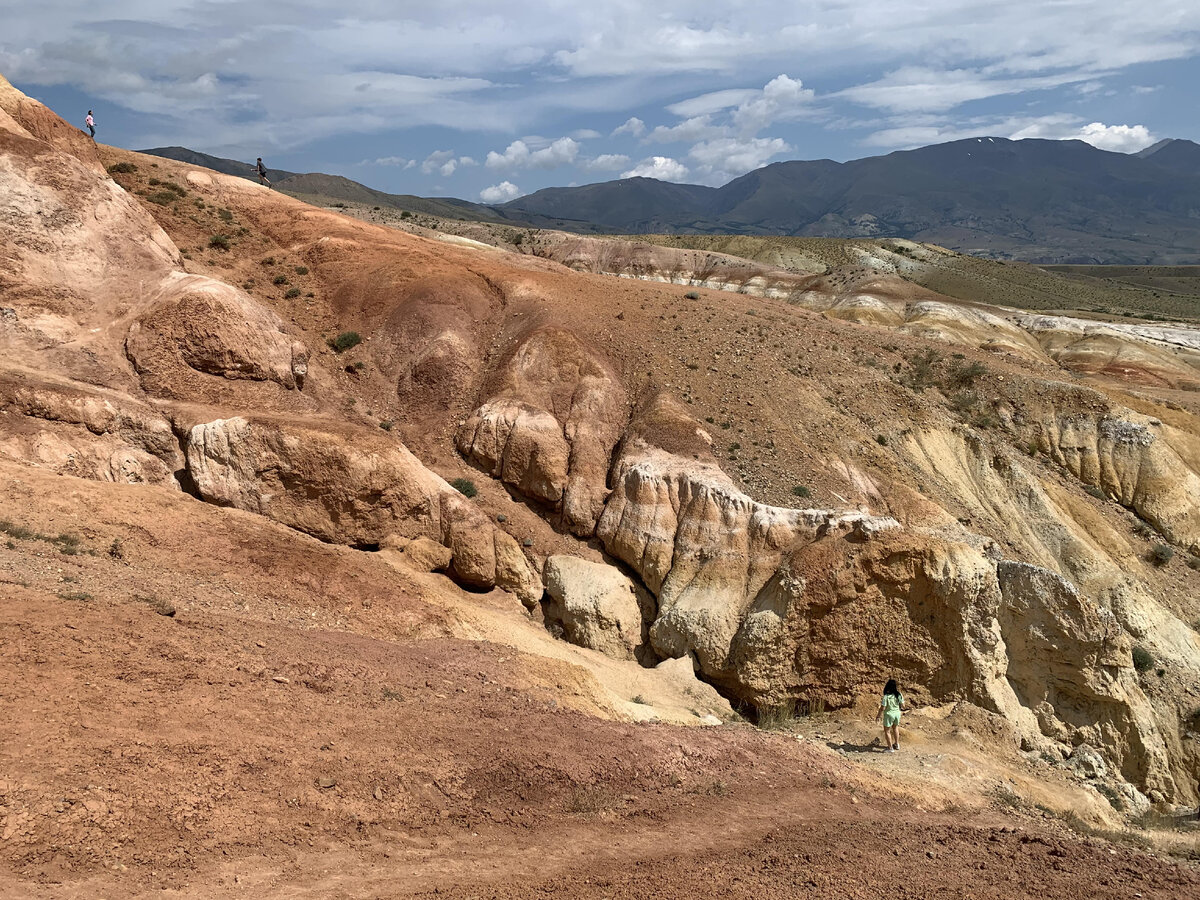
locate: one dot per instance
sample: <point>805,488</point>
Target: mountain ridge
<point>1041,201</point>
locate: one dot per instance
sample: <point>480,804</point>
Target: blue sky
<point>490,101</point>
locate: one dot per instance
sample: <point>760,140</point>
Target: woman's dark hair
<point>891,688</point>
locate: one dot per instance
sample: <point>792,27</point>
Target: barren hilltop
<point>349,553</point>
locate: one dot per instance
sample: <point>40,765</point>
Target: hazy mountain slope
<point>1043,201</point>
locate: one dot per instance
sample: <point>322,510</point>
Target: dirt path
<point>144,755</point>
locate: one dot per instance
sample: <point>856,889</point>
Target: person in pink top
<point>91,124</point>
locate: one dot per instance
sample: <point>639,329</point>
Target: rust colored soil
<point>212,755</point>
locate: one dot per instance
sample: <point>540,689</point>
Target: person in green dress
<point>890,707</point>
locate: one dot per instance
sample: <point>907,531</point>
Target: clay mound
<point>202,325</point>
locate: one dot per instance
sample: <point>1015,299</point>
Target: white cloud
<point>517,155</point>
<point>281,75</point>
<point>781,99</point>
<point>697,128</point>
<point>1117,138</point>
<point>586,134</point>
<point>499,193</point>
<point>400,161</point>
<point>633,125</point>
<point>445,163</point>
<point>714,102</point>
<point>664,168</point>
<point>1055,127</point>
<point>922,89</point>
<point>742,112</point>
<point>606,162</point>
<point>726,158</point>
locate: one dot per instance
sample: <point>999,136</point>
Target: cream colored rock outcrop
<point>351,488</point>
<point>597,606</point>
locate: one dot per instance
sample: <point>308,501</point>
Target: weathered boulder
<point>554,415</point>
<point>522,446</point>
<point>211,327</point>
<point>353,488</point>
<point>419,554</point>
<point>597,605</point>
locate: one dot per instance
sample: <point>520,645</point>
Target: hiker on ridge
<point>91,124</point>
<point>262,173</point>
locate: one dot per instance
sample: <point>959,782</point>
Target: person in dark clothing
<point>262,173</point>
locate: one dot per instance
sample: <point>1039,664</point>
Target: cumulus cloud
<point>499,193</point>
<point>606,162</point>
<point>400,161</point>
<point>517,155</point>
<point>697,128</point>
<point>726,158</point>
<point>719,116</point>
<point>1117,138</point>
<point>1053,126</point>
<point>633,125</point>
<point>781,99</point>
<point>664,168</point>
<point>445,163</point>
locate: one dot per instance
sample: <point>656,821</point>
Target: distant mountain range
<point>1036,200</point>
<point>332,188</point>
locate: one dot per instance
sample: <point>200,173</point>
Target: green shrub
<point>68,544</point>
<point>921,373</point>
<point>163,198</point>
<point>269,261</point>
<point>292,292</point>
<point>168,186</point>
<point>386,424</point>
<point>961,375</point>
<point>1096,492</point>
<point>301,270</point>
<point>1143,659</point>
<point>464,486</point>
<point>801,491</point>
<point>122,168</point>
<point>406,215</point>
<point>345,341</point>
<point>279,279</point>
<point>218,242</point>
<point>881,440</point>
<point>1161,554</point>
